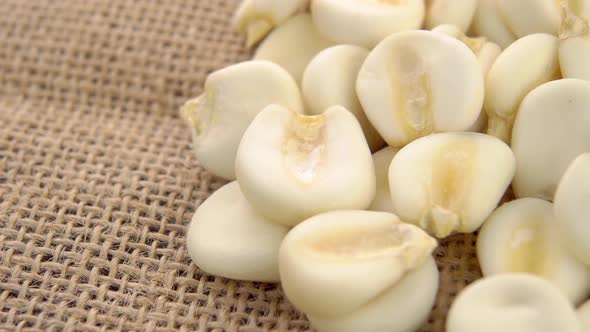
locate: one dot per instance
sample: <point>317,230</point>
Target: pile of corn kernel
<point>364,130</point>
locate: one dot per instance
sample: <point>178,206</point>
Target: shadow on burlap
<point>97,178</point>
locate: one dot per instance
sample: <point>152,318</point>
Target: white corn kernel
<point>292,45</point>
<point>415,83</point>
<point>340,65</point>
<point>512,303</point>
<point>231,98</point>
<point>574,39</point>
<point>458,13</point>
<point>228,238</point>
<point>486,53</point>
<point>365,22</point>
<point>382,161</point>
<point>291,166</point>
<point>521,237</point>
<point>550,130</point>
<point>256,18</point>
<point>572,207</point>
<point>322,260</point>
<point>524,65</point>
<point>525,17</point>
<point>411,298</point>
<point>488,22</point>
<point>450,182</point>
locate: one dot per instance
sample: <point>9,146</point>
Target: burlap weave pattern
<point>97,178</point>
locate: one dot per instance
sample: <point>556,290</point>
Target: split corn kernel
<point>450,182</point>
<point>228,238</point>
<point>404,87</point>
<point>322,260</point>
<point>339,64</point>
<point>522,237</point>
<point>550,130</point>
<point>292,166</point>
<point>293,44</point>
<point>365,22</point>
<point>512,303</point>
<point>231,98</point>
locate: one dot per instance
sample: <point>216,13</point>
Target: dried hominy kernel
<point>404,87</point>
<point>340,65</point>
<point>256,18</point>
<point>550,131</point>
<point>450,182</point>
<point>231,99</point>
<point>512,303</point>
<point>292,166</point>
<point>365,22</point>
<point>522,237</point>
<point>227,237</point>
<point>348,270</point>
<point>292,45</point>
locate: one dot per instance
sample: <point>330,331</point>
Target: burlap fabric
<point>97,178</point>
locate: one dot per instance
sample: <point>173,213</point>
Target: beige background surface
<point>97,178</point>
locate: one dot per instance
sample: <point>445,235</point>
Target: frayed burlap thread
<point>98,181</point>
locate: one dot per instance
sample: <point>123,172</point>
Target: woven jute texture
<point>98,181</point>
